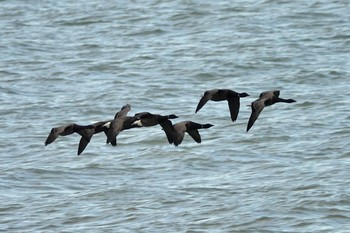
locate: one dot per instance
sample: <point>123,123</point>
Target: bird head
<point>172,116</point>
<point>205,126</point>
<point>243,94</point>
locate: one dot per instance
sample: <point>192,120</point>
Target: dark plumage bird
<point>66,130</point>
<point>266,98</point>
<point>117,125</point>
<point>87,131</point>
<point>175,133</point>
<point>232,98</point>
<point>146,119</point>
<point>104,126</point>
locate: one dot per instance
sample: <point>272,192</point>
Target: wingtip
<point>48,141</point>
<point>199,107</point>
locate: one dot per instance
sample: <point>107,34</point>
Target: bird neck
<point>285,100</point>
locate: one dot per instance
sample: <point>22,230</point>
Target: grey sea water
<point>80,61</point>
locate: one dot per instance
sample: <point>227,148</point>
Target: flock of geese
<point>174,132</point>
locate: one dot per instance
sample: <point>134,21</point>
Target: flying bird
<point>66,130</point>
<point>175,133</point>
<point>266,98</point>
<point>232,97</point>
<point>146,119</point>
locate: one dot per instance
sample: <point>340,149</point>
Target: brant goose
<point>146,119</point>
<point>66,130</point>
<point>266,98</point>
<point>232,98</point>
<point>104,126</point>
<point>175,133</point>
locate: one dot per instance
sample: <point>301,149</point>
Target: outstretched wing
<point>82,145</point>
<point>86,135</point>
<point>276,93</point>
<point>61,130</point>
<point>195,135</point>
<point>257,107</point>
<point>168,128</point>
<point>114,142</point>
<point>52,136</point>
<point>233,104</point>
<point>123,111</point>
<point>206,97</point>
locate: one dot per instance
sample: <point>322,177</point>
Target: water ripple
<point>65,61</point>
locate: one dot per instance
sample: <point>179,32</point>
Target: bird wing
<point>233,104</point>
<point>86,135</point>
<point>257,106</point>
<point>51,137</point>
<point>82,145</point>
<point>276,93</point>
<point>195,135</point>
<point>206,97</point>
<point>123,111</point>
<point>114,142</point>
<point>56,131</point>
<point>168,128</point>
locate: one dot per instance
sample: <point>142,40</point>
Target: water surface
<point>78,61</point>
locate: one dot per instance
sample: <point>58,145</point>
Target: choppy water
<point>80,61</point>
